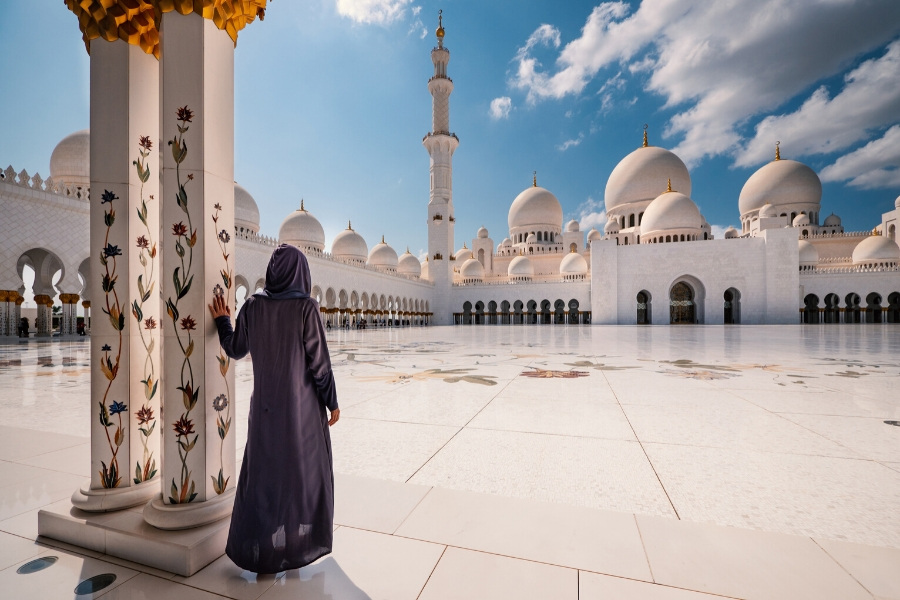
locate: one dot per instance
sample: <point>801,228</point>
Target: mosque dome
<point>531,239</point>
<point>424,273</point>
<point>800,220</point>
<point>535,207</point>
<point>671,211</point>
<point>612,226</point>
<point>876,250</point>
<point>642,174</point>
<point>572,226</point>
<point>383,256</point>
<point>573,264</point>
<point>349,245</point>
<point>472,269</point>
<point>731,233</point>
<point>593,234</point>
<point>767,210</point>
<point>520,266</point>
<point>246,214</point>
<point>897,203</point>
<point>409,265</point>
<point>780,183</point>
<point>809,256</point>
<point>70,161</point>
<point>482,232</point>
<point>832,220</point>
<point>463,253</point>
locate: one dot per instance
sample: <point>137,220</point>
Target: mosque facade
<point>655,262</point>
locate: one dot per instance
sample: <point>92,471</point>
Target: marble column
<point>69,316</point>
<point>124,279</point>
<point>43,322</point>
<point>4,313</point>
<point>17,313</point>
<point>86,305</point>
<point>198,263</point>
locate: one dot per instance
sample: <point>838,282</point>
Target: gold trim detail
<point>137,22</point>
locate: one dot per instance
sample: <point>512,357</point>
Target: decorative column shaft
<point>86,305</point>
<point>124,279</point>
<point>16,317</point>
<point>43,322</point>
<point>198,262</point>
<point>5,312</point>
<point>69,313</point>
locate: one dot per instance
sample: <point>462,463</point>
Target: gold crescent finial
<point>348,226</point>
<point>645,136</point>
<point>382,238</point>
<point>301,205</point>
<point>440,30</point>
<point>534,181</point>
<point>668,185</point>
<point>777,150</point>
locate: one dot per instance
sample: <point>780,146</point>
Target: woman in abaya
<point>284,505</point>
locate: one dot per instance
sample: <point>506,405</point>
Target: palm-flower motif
<point>143,242</point>
<point>217,206</point>
<point>183,426</point>
<point>150,323</point>
<point>179,229</point>
<point>144,415</point>
<point>108,197</point>
<point>223,235</point>
<point>220,403</point>
<point>111,251</point>
<point>105,348</point>
<point>145,142</point>
<point>184,114</point>
<point>188,323</point>
<point>117,407</point>
<point>218,290</point>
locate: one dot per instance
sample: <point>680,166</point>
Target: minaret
<point>440,144</point>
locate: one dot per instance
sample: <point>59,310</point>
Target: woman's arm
<point>319,361</point>
<point>235,343</point>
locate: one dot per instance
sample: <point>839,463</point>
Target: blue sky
<point>332,103</point>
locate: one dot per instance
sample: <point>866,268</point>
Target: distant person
<point>24,326</point>
<point>284,506</point>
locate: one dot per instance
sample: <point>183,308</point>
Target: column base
<point>108,500</point>
<point>186,516</point>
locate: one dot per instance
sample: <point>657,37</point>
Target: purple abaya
<point>284,506</point>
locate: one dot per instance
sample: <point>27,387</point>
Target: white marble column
<point>43,322</point>
<point>86,305</point>
<point>5,303</point>
<point>124,279</point>
<point>198,262</point>
<point>69,316</point>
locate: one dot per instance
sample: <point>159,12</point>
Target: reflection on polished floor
<point>536,462</point>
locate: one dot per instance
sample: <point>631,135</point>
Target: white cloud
<point>570,143</point>
<point>500,107</point>
<point>591,213</point>
<point>869,100</point>
<point>718,64</point>
<point>422,254</point>
<point>379,12</point>
<point>718,231</point>
<point>875,165</point>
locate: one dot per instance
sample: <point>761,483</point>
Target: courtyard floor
<point>537,462</point>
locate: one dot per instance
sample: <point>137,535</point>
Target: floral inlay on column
<point>222,402</point>
<point>109,474</point>
<point>146,323</point>
<point>182,277</point>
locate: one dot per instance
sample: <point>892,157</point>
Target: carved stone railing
<point>851,269</point>
<point>49,185</point>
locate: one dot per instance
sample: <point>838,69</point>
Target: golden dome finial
<point>534,180</point>
<point>668,185</point>
<point>777,150</point>
<point>875,231</point>
<point>440,30</point>
<point>382,238</point>
<point>301,205</point>
<point>645,136</point>
<point>348,225</point>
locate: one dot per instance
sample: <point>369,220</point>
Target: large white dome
<point>780,183</point>
<point>809,256</point>
<point>876,250</point>
<point>573,264</point>
<point>535,207</point>
<point>409,264</point>
<point>246,212</point>
<point>463,253</point>
<point>642,175</point>
<point>520,266</point>
<point>832,220</point>
<point>383,256</point>
<point>671,211</point>
<point>472,269</point>
<point>349,245</point>
<point>71,159</point>
<point>302,229</point>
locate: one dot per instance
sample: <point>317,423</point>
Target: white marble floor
<point>749,462</point>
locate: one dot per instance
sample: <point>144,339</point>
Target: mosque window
<point>631,220</point>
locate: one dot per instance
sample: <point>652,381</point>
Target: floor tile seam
<point>644,450</point>
<point>816,433</point>
<point>194,587</point>
<point>551,434</point>
<point>398,422</point>
<point>762,451</point>
<point>444,445</point>
<point>662,585</point>
<point>843,568</point>
<point>430,573</point>
<point>644,547</point>
<point>185,582</point>
<point>409,514</point>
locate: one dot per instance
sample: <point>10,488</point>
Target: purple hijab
<point>287,275</point>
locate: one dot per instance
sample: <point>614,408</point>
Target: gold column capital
<point>86,304</point>
<point>43,300</point>
<point>69,298</point>
<point>4,296</point>
<point>137,22</point>
<point>19,301</point>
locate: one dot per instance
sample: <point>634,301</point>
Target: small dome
<point>424,274</point>
<point>573,264</point>
<point>767,211</point>
<point>302,229</point>
<point>572,226</point>
<point>408,264</point>
<point>800,220</point>
<point>897,203</point>
<point>809,256</point>
<point>780,183</point>
<point>593,234</point>
<point>641,175</point>
<point>71,159</point>
<point>383,256</point>
<point>463,253</point>
<point>531,239</point>
<point>832,220</point>
<point>671,211</point>
<point>731,233</point>
<point>520,266</point>
<point>612,226</point>
<point>535,207</point>
<point>472,269</point>
<point>876,250</point>
<point>506,242</point>
<point>482,232</point>
<point>246,213</point>
<point>349,245</point>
